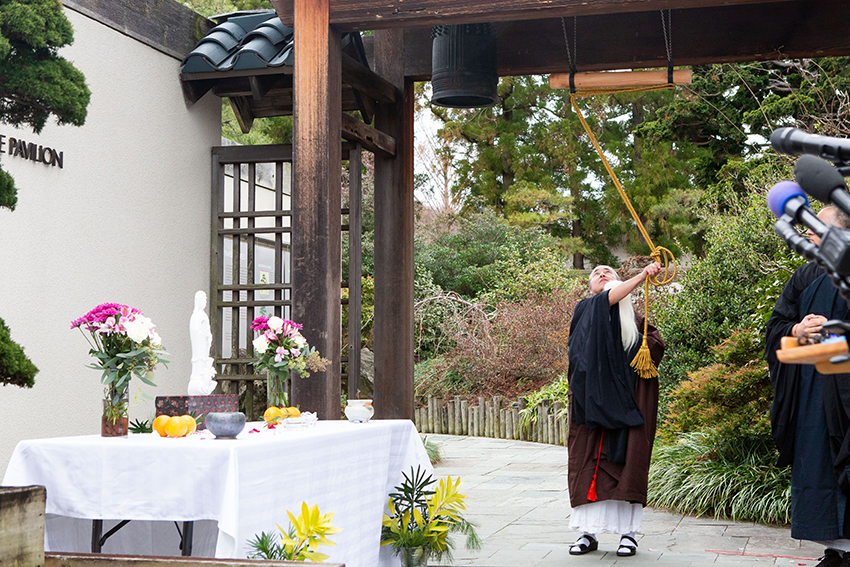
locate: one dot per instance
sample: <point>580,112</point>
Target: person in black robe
<point>612,412</point>
<point>809,414</point>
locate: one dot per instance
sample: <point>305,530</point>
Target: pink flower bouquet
<point>283,351</point>
<point>125,344</point>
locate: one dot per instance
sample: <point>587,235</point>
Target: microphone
<point>793,141</point>
<point>788,198</point>
<point>822,181</point>
<point>792,238</point>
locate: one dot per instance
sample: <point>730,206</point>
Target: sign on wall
<point>18,148</point>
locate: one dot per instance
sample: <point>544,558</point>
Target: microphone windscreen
<point>780,193</point>
<point>817,177</point>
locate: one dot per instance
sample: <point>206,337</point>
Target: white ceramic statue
<point>201,382</point>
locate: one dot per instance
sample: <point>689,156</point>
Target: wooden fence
<point>492,418</point>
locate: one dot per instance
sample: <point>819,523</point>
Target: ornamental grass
<point>704,474</point>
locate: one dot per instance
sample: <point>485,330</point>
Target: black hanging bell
<point>463,61</point>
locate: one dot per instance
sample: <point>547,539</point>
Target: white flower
<point>275,324</point>
<point>156,339</point>
<point>300,341</point>
<point>137,330</point>
<point>261,344</point>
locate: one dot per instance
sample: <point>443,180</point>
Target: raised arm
<point>617,293</point>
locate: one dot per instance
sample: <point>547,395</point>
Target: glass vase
<point>112,425</point>
<point>116,402</point>
<point>276,383</point>
<point>413,556</point>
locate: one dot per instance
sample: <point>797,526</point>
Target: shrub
<point>464,256</point>
<point>432,379</point>
<point>733,287</point>
<point>434,310</point>
<point>517,343</point>
<point>732,396</point>
<point>703,473</point>
<point>521,274</point>
<point>555,391</point>
<point>15,367</point>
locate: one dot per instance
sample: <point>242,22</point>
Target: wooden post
<point>438,415</point>
<point>559,437</point>
<point>482,419</point>
<point>553,437</point>
<point>565,428</point>
<point>431,419</point>
<point>503,417</point>
<point>316,206</point>
<point>497,421</point>
<point>355,271</point>
<point>543,421</point>
<point>22,525</point>
<point>457,417</point>
<point>394,238</point>
<point>450,408</point>
<point>523,433</point>
<point>464,416</point>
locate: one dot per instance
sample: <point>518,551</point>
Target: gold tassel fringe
<point>642,363</point>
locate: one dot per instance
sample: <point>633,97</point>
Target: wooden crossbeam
<point>242,110</point>
<point>366,81</point>
<point>370,138</point>
<point>721,34</point>
<point>379,14</point>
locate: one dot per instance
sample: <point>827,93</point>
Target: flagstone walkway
<point>518,498</point>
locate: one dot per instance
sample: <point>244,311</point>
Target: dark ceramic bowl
<point>225,425</point>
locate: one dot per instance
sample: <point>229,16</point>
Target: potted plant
<point>420,520</point>
<point>298,543</point>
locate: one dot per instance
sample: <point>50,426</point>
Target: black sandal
<point>583,548</point>
<point>626,550</point>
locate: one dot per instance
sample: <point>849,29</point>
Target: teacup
<point>359,411</point>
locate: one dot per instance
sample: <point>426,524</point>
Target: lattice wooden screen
<point>250,267</point>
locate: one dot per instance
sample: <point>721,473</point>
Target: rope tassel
<point>642,363</point>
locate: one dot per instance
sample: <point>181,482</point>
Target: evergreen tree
<point>15,367</point>
<point>35,83</point>
<point>725,117</point>
<point>529,158</point>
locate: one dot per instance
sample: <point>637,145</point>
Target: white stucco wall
<point>126,220</point>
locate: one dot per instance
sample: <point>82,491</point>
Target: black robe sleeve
<point>601,380</point>
<point>785,377</point>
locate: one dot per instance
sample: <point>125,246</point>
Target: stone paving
<point>518,498</point>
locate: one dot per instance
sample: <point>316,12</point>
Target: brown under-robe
<point>617,481</point>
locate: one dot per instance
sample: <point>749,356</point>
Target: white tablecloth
<point>245,485</point>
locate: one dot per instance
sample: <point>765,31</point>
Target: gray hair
<point>599,267</point>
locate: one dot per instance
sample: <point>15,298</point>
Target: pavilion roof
<point>248,57</point>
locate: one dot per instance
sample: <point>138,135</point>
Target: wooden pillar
<point>394,239</point>
<point>316,208</point>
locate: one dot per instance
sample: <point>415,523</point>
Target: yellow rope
<point>642,363</point>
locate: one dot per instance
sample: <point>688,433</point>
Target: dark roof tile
<point>252,41</point>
